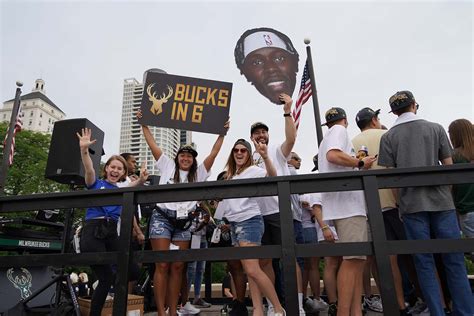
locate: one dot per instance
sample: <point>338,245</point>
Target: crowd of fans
<point>421,281</point>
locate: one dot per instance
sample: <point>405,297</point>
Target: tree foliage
<point>26,175</point>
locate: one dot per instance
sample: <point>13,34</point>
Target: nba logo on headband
<point>268,39</point>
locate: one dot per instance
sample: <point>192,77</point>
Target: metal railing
<point>368,181</point>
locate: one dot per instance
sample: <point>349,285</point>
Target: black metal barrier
<point>369,181</point>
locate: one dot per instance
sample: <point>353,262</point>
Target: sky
<point>363,52</point>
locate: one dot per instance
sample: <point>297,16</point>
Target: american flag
<point>303,95</point>
<point>17,128</point>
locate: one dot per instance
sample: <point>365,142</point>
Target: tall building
<point>131,137</point>
<point>37,110</point>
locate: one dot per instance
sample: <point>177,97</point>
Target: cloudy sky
<point>363,52</point>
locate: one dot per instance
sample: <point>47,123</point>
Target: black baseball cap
<point>245,143</point>
<point>257,125</point>
<point>364,115</point>
<point>188,149</point>
<point>401,99</point>
<point>334,114</point>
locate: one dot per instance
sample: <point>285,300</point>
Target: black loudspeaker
<point>64,158</point>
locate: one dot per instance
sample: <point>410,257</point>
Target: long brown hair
<point>109,161</point>
<point>461,133</point>
<point>192,174</point>
<point>231,165</point>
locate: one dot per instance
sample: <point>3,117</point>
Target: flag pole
<point>9,140</point>
<point>317,116</point>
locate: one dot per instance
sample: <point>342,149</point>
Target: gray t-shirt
<point>417,143</point>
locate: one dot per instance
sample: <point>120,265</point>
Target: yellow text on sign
<point>201,95</point>
<point>180,110</point>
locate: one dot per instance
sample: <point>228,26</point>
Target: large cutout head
<point>267,58</point>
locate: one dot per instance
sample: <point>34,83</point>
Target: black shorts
<point>393,225</point>
<point>272,233</point>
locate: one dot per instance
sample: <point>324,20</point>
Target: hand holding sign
<point>286,101</point>
<point>227,126</point>
<point>139,114</point>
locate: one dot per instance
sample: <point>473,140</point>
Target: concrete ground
<point>215,310</point>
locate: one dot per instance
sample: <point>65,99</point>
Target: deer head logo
<point>156,108</point>
<point>21,280</point>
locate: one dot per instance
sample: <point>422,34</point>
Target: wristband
<point>287,114</point>
<point>325,227</point>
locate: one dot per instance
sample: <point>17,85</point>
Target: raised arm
<point>150,140</point>
<point>209,161</point>
<point>262,149</point>
<point>84,143</point>
<point>143,176</point>
<point>290,128</point>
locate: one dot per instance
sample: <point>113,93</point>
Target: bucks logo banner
<point>185,103</point>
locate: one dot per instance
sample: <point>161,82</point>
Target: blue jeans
<point>443,225</point>
<point>196,271</point>
<point>467,224</point>
<point>299,239</point>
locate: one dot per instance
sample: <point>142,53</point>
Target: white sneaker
<point>309,305</point>
<point>280,314</point>
<point>374,303</point>
<point>270,311</point>
<point>188,308</point>
<point>302,312</point>
<point>320,304</point>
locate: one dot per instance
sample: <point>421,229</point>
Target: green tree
<point>26,175</point>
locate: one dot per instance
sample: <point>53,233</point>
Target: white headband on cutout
<point>259,40</point>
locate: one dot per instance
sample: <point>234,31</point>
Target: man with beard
<point>269,61</point>
<point>279,154</point>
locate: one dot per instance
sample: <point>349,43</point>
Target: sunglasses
<point>296,158</point>
<point>239,150</point>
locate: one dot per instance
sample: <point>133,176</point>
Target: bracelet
<point>325,227</point>
<point>287,114</point>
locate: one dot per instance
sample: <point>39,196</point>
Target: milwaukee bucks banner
<point>185,103</point>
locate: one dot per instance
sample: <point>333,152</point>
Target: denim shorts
<point>161,227</point>
<point>249,230</point>
<point>310,235</point>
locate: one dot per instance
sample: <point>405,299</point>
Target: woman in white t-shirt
<point>163,223</point>
<point>246,220</point>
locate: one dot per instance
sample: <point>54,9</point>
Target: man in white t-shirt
<point>279,155</point>
<point>369,138</point>
<point>347,209</point>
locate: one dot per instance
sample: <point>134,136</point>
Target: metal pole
<point>8,143</point>
<point>288,254</point>
<point>317,116</point>
<point>125,254</point>
<point>382,259</point>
